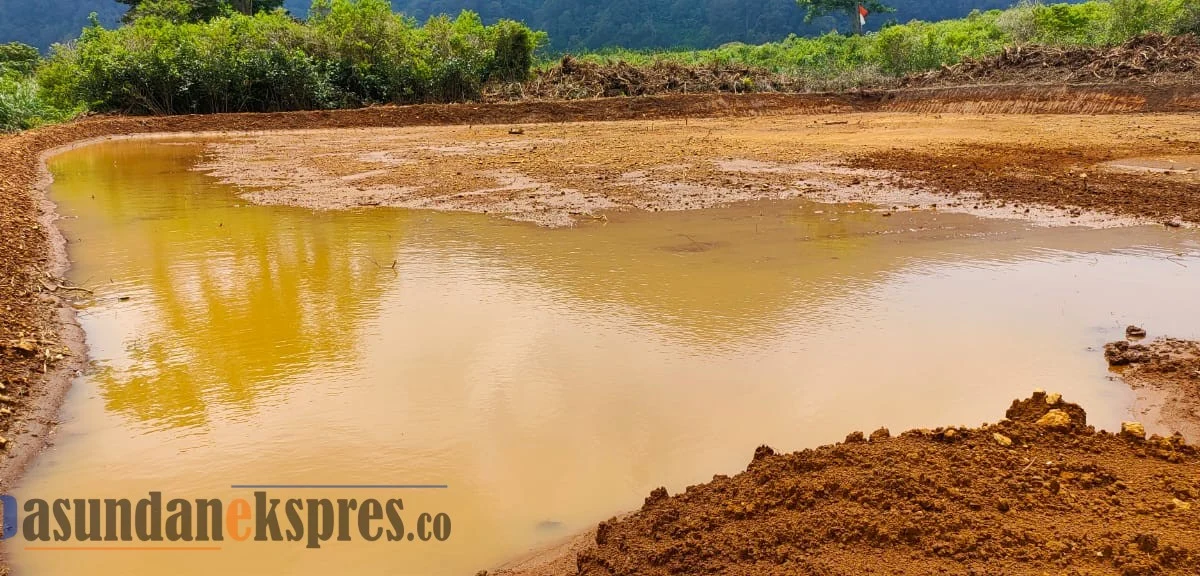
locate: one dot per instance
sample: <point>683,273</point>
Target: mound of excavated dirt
<point>1038,493</point>
<point>1166,374</point>
<point>1151,57</point>
<point>573,79</point>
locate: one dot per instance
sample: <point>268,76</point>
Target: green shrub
<point>349,53</point>
<point>358,52</point>
<point>515,45</point>
<point>17,58</point>
<point>20,106</point>
<point>1134,17</point>
<point>1019,23</point>
<point>1188,19</point>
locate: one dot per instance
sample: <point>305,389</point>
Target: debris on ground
<point>572,79</point>
<point>1165,373</point>
<point>1151,57</point>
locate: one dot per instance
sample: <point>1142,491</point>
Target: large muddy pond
<point>549,379</point>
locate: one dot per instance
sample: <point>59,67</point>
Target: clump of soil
<point>1166,374</point>
<point>1039,492</point>
<point>1152,57</point>
<point>572,79</point>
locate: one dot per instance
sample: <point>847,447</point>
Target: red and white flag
<point>862,15</point>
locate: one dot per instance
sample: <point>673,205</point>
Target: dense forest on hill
<point>592,24</point>
<point>571,24</point>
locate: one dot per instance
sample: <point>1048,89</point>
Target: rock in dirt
<point>1165,374</point>
<point>1135,332</point>
<point>1002,439</point>
<point>1055,419</point>
<point>1133,430</point>
<point>1121,353</point>
<point>1037,407</point>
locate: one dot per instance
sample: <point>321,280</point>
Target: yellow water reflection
<point>550,378</point>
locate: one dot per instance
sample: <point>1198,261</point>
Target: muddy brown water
<point>548,378</point>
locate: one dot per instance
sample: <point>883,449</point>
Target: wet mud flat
<point>1165,373</point>
<point>1066,169</point>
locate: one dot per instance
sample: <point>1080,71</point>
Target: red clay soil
<point>1166,374</point>
<point>1038,493</point>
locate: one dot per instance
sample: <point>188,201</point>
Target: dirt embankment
<point>1039,492</point>
<point>1165,373</point>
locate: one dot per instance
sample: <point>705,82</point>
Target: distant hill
<point>591,24</point>
<point>572,24</point>
<point>43,22</point>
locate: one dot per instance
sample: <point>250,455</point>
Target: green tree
<point>818,8</point>
<point>194,10</point>
<point>18,58</point>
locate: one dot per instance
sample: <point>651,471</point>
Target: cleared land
<point>1061,168</point>
<point>1060,497</point>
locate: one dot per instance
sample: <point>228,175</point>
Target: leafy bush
<point>1019,23</point>
<point>1133,17</point>
<point>21,103</point>
<point>20,106</point>
<point>358,52</point>
<point>349,53</point>
<point>839,61</point>
<point>1188,21</point>
<point>17,58</point>
<point>515,45</point>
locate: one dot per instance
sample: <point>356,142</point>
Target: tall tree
<point>818,8</point>
<point>194,10</point>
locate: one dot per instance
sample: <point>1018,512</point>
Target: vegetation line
<point>170,58</point>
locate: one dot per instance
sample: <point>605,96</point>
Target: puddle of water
<point>1180,167</point>
<point>550,378</point>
